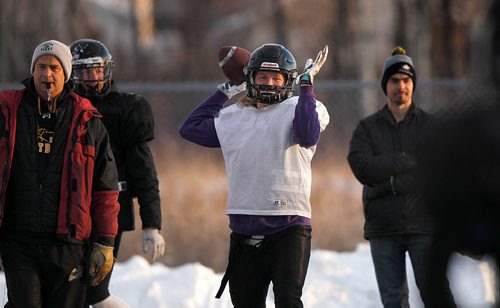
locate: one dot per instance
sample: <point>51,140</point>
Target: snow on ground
<point>334,280</point>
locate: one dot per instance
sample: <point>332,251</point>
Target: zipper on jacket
<point>39,177</point>
<point>40,207</point>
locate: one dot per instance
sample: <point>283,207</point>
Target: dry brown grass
<point>193,188</point>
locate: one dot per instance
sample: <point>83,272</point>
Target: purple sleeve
<point>199,126</point>
<point>306,126</point>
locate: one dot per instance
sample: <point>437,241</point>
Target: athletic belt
<point>122,186</point>
<point>254,240</point>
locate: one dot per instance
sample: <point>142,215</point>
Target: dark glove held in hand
<point>378,190</point>
<point>403,184</point>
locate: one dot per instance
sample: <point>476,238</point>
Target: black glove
<point>403,184</point>
<point>411,161</point>
<point>377,190</point>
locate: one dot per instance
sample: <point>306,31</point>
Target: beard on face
<point>400,97</point>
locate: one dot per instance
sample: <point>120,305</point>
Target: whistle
<point>48,92</point>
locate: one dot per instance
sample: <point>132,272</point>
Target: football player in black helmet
<point>129,121</point>
<point>92,68</point>
<point>277,61</point>
<point>268,140</point>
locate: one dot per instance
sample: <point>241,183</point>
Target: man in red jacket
<point>58,182</point>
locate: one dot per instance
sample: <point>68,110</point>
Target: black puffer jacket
<point>381,157</point>
<point>130,124</point>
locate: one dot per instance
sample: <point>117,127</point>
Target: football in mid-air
<point>232,61</point>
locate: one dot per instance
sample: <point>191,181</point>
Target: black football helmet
<point>89,54</point>
<point>271,57</point>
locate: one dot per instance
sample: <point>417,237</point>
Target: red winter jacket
<point>76,219</point>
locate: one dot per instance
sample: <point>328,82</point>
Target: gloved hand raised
<point>312,68</point>
<point>231,89</point>
<point>100,263</point>
<point>155,240</point>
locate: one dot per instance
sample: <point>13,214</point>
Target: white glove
<point>231,89</point>
<point>312,68</point>
<point>157,242</point>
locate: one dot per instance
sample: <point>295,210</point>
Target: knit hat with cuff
<point>56,49</point>
<point>398,62</point>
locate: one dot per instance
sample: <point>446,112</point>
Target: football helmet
<point>92,68</point>
<point>271,57</point>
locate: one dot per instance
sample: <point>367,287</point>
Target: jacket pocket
<point>83,160</point>
<point>82,170</point>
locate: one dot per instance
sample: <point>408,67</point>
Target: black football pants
<point>281,258</point>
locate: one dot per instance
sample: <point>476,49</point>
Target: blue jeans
<point>389,260</point>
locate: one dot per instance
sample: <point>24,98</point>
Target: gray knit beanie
<point>56,49</point>
<point>398,62</point>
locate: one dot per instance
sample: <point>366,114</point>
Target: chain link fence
<point>346,101</point>
<point>193,184</point>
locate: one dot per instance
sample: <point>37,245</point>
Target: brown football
<point>232,61</point>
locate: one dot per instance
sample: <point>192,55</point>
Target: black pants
<point>37,274</point>
<point>281,258</point>
<point>96,294</point>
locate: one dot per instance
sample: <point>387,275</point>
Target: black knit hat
<point>398,62</point>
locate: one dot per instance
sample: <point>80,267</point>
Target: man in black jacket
<point>129,121</point>
<point>381,156</point>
